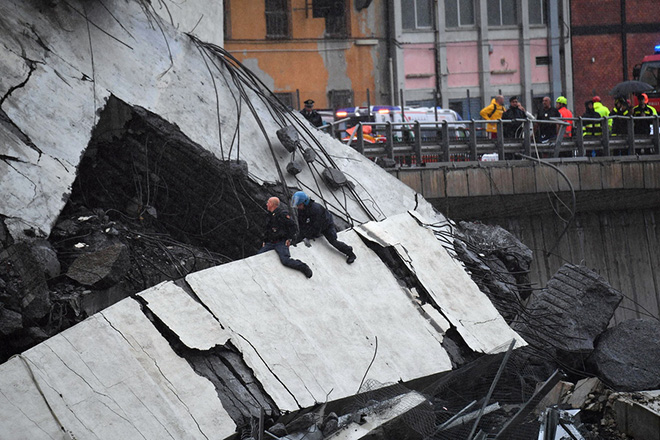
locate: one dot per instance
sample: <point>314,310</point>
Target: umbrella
<point>627,87</point>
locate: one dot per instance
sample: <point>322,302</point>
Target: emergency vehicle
<point>649,72</point>
<point>394,114</point>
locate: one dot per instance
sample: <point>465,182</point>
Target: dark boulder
<point>627,356</point>
<point>103,268</point>
<point>566,317</point>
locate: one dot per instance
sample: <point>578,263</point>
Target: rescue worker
<point>621,108</point>
<point>547,132</point>
<point>565,113</point>
<point>603,111</point>
<point>314,220</point>
<point>493,112</point>
<point>643,126</point>
<point>310,114</point>
<point>280,232</point>
<point>591,128</point>
<point>515,111</point>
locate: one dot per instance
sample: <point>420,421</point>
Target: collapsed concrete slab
<point>111,376</point>
<point>127,52</point>
<point>307,339</point>
<point>447,283</point>
<point>287,342</point>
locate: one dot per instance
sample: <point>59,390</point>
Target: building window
<point>543,61</point>
<point>537,11</point>
<point>335,25</point>
<point>459,13</point>
<point>417,14</point>
<point>340,98</point>
<point>277,19</point>
<point>286,98</point>
<point>502,13</point>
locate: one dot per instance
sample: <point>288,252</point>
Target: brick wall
<point>595,34</point>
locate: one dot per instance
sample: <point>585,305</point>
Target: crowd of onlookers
<point>592,124</point>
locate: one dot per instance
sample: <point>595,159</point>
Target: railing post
<point>360,138</point>
<point>578,136</point>
<point>389,146</point>
<point>499,142</point>
<point>418,143</point>
<point>473,140</point>
<point>605,137</point>
<point>527,138</point>
<point>656,135</point>
<point>631,135</point>
<point>445,141</point>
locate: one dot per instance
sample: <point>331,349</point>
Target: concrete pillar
<point>484,53</point>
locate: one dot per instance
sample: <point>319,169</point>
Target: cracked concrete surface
<point>287,342</point>
<point>453,292</point>
<point>112,376</point>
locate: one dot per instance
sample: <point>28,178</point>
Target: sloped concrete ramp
<point>306,340</point>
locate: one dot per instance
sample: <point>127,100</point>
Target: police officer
<point>314,220</point>
<point>310,114</point>
<point>280,231</point>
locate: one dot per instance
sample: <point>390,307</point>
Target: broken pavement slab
<point>112,376</point>
<point>451,288</point>
<point>187,318</point>
<point>310,340</point>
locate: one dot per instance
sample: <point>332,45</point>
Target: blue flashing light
<point>657,48</point>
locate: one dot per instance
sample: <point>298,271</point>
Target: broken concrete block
<point>102,268</point>
<point>582,390</point>
<point>568,315</point>
<point>278,430</point>
<point>555,396</point>
<point>309,155</point>
<point>293,168</point>
<point>10,321</point>
<point>638,414</point>
<point>334,178</point>
<point>34,299</point>
<point>46,257</point>
<point>626,356</point>
<point>289,138</point>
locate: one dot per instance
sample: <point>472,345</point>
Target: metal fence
<point>418,143</point>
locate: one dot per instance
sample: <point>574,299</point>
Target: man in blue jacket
<point>280,231</point>
<point>314,220</point>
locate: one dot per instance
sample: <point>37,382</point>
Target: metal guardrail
<point>417,142</point>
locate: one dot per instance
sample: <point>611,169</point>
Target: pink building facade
<point>472,50</point>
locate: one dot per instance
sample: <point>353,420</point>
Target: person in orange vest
<point>565,114</point>
<point>493,112</point>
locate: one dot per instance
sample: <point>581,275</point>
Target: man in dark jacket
<point>314,220</point>
<point>547,132</point>
<point>621,109</point>
<point>591,128</point>
<point>280,231</point>
<point>310,114</point>
<point>515,111</point>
